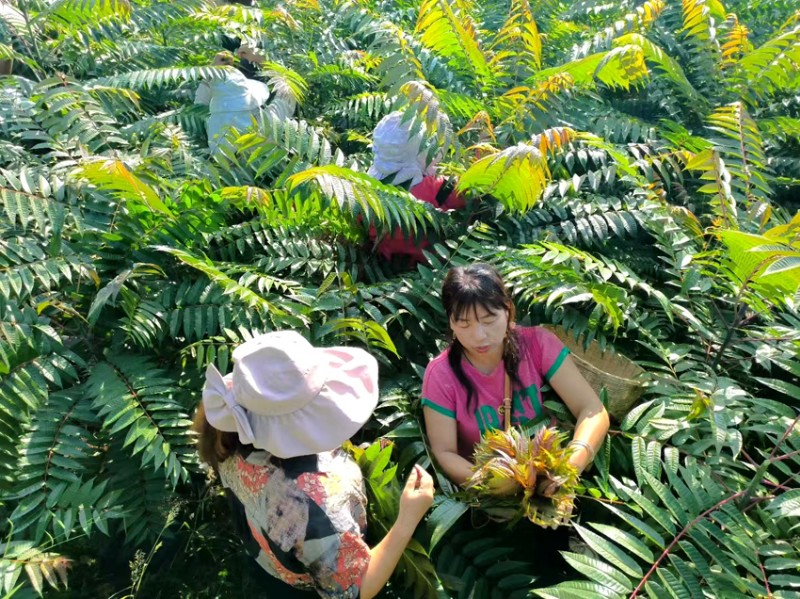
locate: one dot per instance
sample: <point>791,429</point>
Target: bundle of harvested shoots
<point>511,467</point>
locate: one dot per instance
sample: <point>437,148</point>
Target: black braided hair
<point>464,289</point>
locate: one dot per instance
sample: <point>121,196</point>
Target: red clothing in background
<point>397,244</point>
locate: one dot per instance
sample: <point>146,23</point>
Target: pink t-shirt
<point>541,355</point>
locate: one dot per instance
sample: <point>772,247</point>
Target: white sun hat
<point>290,398</point>
<point>399,149</point>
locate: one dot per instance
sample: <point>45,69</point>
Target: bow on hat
<point>222,411</point>
<point>290,398</point>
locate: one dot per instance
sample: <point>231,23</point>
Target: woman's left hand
<point>548,487</point>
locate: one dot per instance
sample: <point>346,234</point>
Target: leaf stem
<point>739,312</point>
<point>678,537</point>
<point>35,46</point>
<point>766,582</point>
<point>786,433</point>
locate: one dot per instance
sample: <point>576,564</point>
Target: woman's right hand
<point>415,500</point>
<point>417,497</point>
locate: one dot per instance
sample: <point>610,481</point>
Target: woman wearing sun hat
<point>272,429</point>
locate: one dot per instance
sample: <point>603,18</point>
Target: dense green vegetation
<point>633,170</point>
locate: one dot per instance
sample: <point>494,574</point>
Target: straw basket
<point>621,378</point>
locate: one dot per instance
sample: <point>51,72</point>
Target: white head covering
<point>233,103</point>
<point>290,398</point>
<point>397,152</point>
<point>237,93</point>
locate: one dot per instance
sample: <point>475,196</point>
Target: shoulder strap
<point>507,403</point>
<point>444,192</point>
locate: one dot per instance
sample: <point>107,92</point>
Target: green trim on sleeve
<point>437,408</point>
<point>557,364</point>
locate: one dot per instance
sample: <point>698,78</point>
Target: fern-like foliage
<point>241,288</point>
<point>449,29</point>
<point>523,106</point>
<point>771,67</point>
<point>770,259</point>
<point>147,494</point>
<point>137,401</point>
<point>414,568</point>
<point>685,536</point>
<point>518,41</point>
<point>273,153</point>
<point>746,160</point>
<point>630,167</point>
<point>583,279</point>
<point>357,192</point>
<point>487,563</point>
<point>736,42</point>
<point>671,68</point>
<point>623,66</point>
<point>39,566</point>
<point>516,176</point>
<point>633,22</point>
<point>51,498</point>
<point>737,166</point>
<point>148,78</point>
<point>33,359</point>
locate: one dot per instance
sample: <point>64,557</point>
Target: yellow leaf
<point>35,576</point>
<point>114,176</point>
<point>516,176</point>
<point>788,233</point>
<point>446,27</point>
<point>700,161</point>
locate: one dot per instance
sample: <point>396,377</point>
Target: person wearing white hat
<point>233,102</point>
<point>272,429</point>
<point>282,104</point>
<point>400,157</point>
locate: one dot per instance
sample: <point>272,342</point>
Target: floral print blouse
<point>307,516</point>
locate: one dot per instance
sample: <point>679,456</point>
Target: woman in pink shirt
<point>464,386</point>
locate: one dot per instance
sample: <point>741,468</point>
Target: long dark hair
<point>465,288</point>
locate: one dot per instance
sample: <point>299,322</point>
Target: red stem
<point>764,574</point>
<point>787,456</point>
<point>783,487</point>
<point>789,429</point>
<point>678,537</point>
<point>718,505</point>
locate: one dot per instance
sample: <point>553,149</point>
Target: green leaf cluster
<point>630,167</point>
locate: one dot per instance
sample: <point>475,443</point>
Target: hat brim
<point>344,404</point>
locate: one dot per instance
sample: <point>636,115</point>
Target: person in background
<point>234,102</point>
<point>272,430</point>
<point>399,158</point>
<point>464,386</point>
<point>282,104</point>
